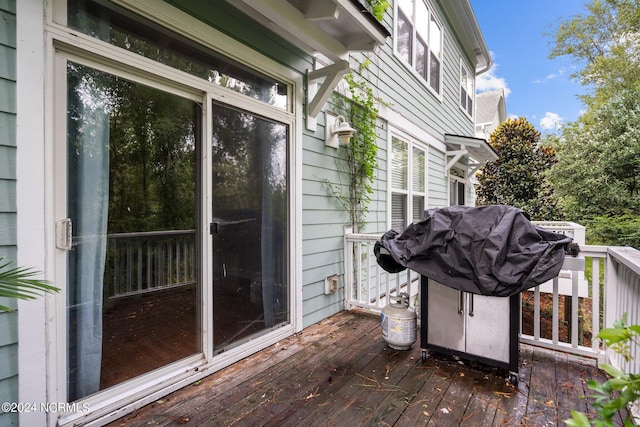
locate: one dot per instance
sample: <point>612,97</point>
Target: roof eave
<point>465,24</point>
<point>331,28</point>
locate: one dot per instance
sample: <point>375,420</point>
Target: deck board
<point>340,372</point>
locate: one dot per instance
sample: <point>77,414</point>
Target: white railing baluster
<point>358,283</point>
<point>595,303</point>
<point>536,313</point>
<point>128,266</point>
<point>148,261</point>
<point>373,299</point>
<point>575,313</point>
<point>116,269</point>
<point>556,315</point>
<point>378,287</point>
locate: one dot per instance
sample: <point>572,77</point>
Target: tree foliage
<point>604,43</point>
<point>518,177</point>
<point>598,165</point>
<point>598,168</point>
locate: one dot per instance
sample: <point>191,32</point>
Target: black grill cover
<point>489,250</point>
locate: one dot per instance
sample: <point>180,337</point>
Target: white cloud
<point>551,121</point>
<point>551,76</point>
<point>490,81</point>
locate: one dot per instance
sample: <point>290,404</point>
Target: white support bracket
<point>472,168</point>
<point>332,73</point>
<point>457,154</point>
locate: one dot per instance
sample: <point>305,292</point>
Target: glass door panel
<point>249,226</point>
<point>133,269</point>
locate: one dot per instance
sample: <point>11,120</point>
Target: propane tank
<point>399,323</point>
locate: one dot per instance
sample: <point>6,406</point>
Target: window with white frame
<point>467,90</point>
<point>408,182</point>
<point>418,38</point>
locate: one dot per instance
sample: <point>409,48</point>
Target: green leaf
<point>578,419</point>
<point>18,283</point>
<point>613,371</point>
<point>612,335</point>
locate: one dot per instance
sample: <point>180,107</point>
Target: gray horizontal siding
<point>7,129</point>
<point>231,21</point>
<point>8,393</point>
<point>324,219</point>
<point>7,161</point>
<point>437,196</point>
<point>8,64</point>
<point>8,237</point>
<point>8,100</point>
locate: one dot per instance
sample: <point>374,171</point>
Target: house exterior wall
<point>8,321</point>
<point>408,106</point>
<point>409,95</point>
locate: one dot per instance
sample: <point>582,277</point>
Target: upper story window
<point>408,182</point>
<point>418,40</point>
<point>105,22</point>
<point>467,90</point>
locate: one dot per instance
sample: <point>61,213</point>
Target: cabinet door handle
<point>471,305</point>
<point>460,302</point>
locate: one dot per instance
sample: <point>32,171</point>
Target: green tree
<point>518,177</point>
<point>604,43</point>
<point>598,168</point>
<point>599,154</point>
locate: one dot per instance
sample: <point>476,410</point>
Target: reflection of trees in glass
<point>151,152</point>
<point>248,152</point>
<point>152,160</point>
<point>234,161</point>
<point>170,49</point>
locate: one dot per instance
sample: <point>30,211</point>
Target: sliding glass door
<point>179,212</point>
<point>133,287</point>
<point>249,225</point>
<point>134,204</point>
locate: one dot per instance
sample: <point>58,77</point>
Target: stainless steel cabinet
<point>475,327</point>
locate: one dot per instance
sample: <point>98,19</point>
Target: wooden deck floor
<point>339,372</point>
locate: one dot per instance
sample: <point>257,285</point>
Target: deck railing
<point>369,286</point>
<point>566,322</point>
<point>622,279</point>
<point>143,262</point>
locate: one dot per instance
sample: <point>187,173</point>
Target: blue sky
<point>537,87</point>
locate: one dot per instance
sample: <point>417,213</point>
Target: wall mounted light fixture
<point>338,131</point>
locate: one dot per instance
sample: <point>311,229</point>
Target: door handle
<point>215,225</point>
<point>64,234</point>
<point>460,302</point>
<point>470,305</point>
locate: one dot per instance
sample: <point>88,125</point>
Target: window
<point>141,37</point>
<point>419,40</point>
<point>408,182</point>
<point>467,90</point>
